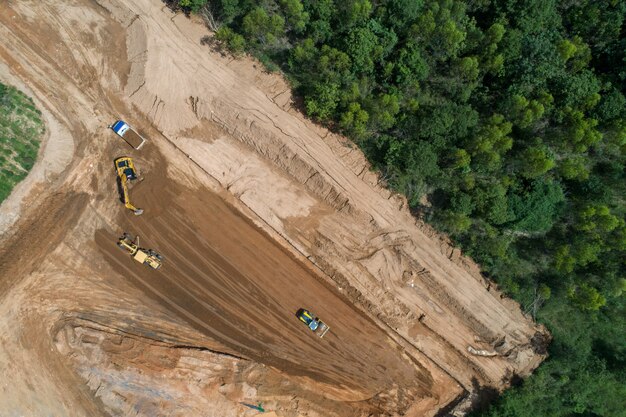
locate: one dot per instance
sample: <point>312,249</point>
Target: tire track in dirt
<point>225,277</point>
<point>44,232</point>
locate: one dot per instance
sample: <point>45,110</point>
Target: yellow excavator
<point>126,172</point>
<point>141,255</point>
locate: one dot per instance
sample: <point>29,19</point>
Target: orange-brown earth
<point>257,211</point>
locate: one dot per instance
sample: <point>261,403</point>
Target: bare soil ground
<point>257,211</point>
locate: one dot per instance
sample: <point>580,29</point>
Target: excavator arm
<point>125,172</point>
<point>127,202</point>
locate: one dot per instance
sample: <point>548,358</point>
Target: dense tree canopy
<point>510,117</point>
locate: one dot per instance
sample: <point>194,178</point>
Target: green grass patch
<point>21,129</point>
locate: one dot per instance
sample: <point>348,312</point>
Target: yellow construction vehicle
<point>141,255</point>
<point>126,172</point>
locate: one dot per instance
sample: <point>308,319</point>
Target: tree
<point>400,13</point>
<point>460,159</point>
<point>525,112</point>
<point>354,12</point>
<point>574,168</point>
<point>491,60</point>
<point>383,110</point>
<point>354,120</point>
<point>192,5</point>
<point>467,68</point>
<point>228,10</point>
<point>586,250</point>
<point>323,101</point>
<point>263,28</point>
<point>362,49</point>
<point>450,38</point>
<point>612,106</point>
<point>455,222</point>
<point>234,41</point>
<point>596,219</point>
<point>490,200</point>
<point>409,66</point>
<point>564,261</point>
<point>535,161</point>
<point>587,297</point>
<point>581,132</point>
<point>491,141</point>
<point>536,209</point>
<point>574,90</point>
<point>333,64</point>
<point>295,15</point>
<point>368,45</point>
<point>598,23</point>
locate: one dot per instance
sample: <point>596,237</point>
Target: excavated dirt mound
<point>257,212</point>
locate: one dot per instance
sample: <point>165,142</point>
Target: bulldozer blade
<point>323,329</point>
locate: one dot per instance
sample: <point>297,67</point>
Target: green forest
<point>504,124</point>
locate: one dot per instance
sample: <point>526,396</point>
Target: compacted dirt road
<point>257,212</point>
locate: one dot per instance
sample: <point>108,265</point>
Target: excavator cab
<point>126,172</point>
<point>126,167</point>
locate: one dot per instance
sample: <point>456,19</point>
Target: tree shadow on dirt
<point>484,396</point>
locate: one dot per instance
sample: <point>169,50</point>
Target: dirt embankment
<point>257,211</point>
<point>316,190</point>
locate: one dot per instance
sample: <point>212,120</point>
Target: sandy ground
<point>257,211</point>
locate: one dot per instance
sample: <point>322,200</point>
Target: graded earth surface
<point>257,212</point>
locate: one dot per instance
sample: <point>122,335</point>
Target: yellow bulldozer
<point>126,172</point>
<point>141,255</point>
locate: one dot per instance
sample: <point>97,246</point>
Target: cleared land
<point>257,211</point>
